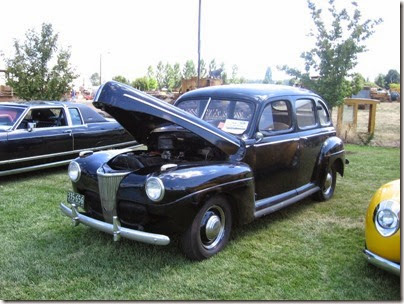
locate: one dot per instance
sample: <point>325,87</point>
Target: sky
<point>127,36</point>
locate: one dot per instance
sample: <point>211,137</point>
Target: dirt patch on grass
<point>387,131</point>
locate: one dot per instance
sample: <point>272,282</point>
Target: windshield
<point>9,115</point>
<point>231,116</point>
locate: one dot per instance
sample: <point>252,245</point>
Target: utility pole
<point>199,43</point>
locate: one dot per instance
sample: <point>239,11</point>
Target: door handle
<point>68,132</point>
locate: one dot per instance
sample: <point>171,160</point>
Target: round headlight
<point>387,217</point>
<point>74,171</point>
<point>154,189</point>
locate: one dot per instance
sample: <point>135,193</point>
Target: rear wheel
<point>209,231</point>
<point>328,185</point>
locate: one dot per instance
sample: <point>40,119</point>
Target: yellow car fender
<point>385,247</point>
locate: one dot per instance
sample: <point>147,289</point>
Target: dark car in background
<point>221,156</point>
<point>41,134</point>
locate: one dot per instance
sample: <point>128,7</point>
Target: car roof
<point>34,103</point>
<point>257,92</point>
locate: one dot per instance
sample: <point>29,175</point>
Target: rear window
<point>91,116</point>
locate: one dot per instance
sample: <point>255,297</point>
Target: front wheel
<point>328,186</point>
<point>209,231</point>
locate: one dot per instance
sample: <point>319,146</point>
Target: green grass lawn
<point>309,251</point>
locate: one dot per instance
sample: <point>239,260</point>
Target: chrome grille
<point>108,184</point>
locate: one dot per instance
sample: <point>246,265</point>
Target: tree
<point>203,70</point>
<point>39,69</point>
<point>150,72</point>
<point>358,82</point>
<point>153,85</point>
<point>121,79</point>
<point>189,70</point>
<point>392,77</point>
<point>379,80</point>
<point>212,65</point>
<point>141,83</point>
<point>268,76</point>
<point>168,78</point>
<point>335,53</point>
<point>160,75</point>
<point>95,79</point>
<point>177,75</point>
<point>234,71</point>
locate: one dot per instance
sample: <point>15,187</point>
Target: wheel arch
<point>332,153</point>
<point>240,198</point>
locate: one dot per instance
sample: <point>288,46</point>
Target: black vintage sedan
<point>37,135</point>
<point>221,156</point>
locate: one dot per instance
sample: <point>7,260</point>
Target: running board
<point>283,204</point>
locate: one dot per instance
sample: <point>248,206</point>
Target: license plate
<point>75,198</point>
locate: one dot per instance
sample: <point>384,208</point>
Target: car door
<point>314,128</point>
<point>96,134</point>
<point>276,153</point>
<point>50,139</point>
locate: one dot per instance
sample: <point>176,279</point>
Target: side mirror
<point>31,126</point>
<point>258,137</point>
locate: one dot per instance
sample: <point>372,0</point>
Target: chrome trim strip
<point>292,139</point>
<point>276,142</point>
<point>213,187</point>
<point>182,118</point>
<point>17,131</point>
<point>115,229</point>
<point>206,108</point>
<point>24,159</point>
<point>283,204</point>
<point>317,134</point>
<point>382,263</point>
<point>33,168</point>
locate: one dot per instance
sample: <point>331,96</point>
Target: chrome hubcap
<point>328,183</point>
<point>212,227</point>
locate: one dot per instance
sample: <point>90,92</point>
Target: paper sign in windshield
<point>235,126</point>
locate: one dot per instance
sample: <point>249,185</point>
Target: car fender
<point>199,183</point>
<point>332,153</point>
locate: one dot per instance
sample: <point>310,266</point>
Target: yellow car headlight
<point>387,217</point>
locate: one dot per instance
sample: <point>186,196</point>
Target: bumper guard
<point>115,228</point>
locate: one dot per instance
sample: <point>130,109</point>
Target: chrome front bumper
<point>382,262</point>
<point>115,228</point>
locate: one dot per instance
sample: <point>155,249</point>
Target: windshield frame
<point>206,102</point>
<point>18,117</point>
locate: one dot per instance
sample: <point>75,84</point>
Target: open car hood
<point>140,113</point>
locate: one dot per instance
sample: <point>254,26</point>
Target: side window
<point>275,117</point>
<point>75,116</point>
<point>323,115</point>
<point>44,118</point>
<point>305,113</point>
